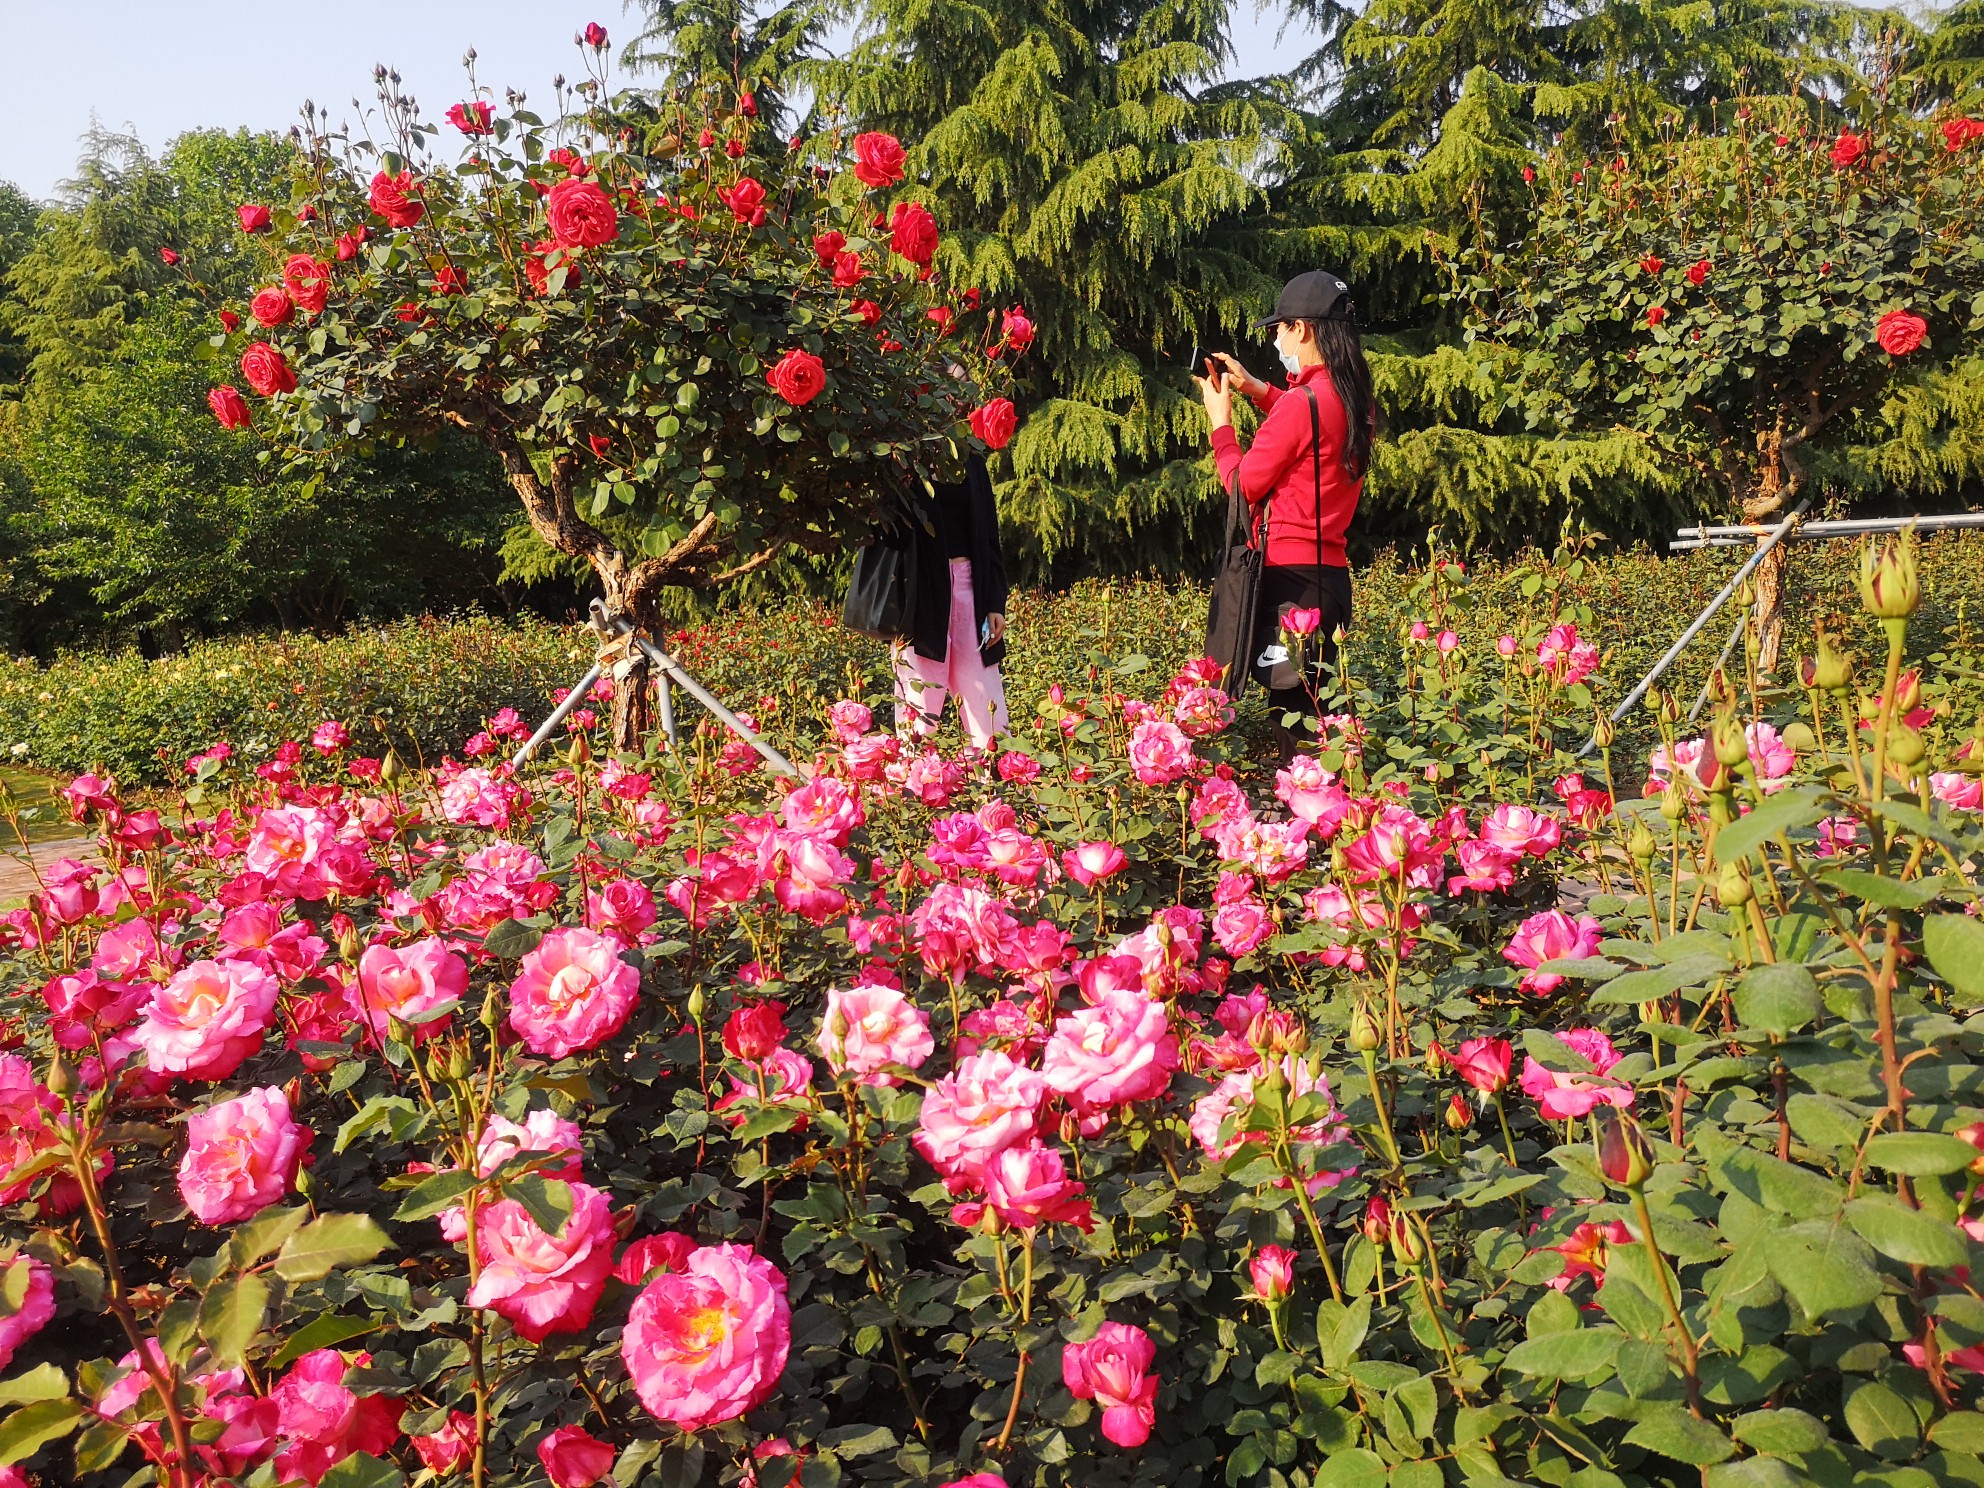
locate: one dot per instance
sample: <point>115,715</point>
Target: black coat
<point>930,634</point>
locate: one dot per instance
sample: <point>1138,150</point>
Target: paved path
<point>17,882</point>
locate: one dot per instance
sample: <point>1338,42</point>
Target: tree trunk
<point>1767,505</point>
<point>633,691</point>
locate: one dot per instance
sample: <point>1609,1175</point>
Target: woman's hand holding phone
<point>1244,382</point>
<point>1216,390</point>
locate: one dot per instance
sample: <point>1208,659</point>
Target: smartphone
<point>985,631</point>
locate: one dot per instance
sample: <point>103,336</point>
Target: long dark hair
<point>1343,353</point>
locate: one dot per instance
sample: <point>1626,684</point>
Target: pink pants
<point>922,685</point>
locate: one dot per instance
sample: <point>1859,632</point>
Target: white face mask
<point>1289,360</point>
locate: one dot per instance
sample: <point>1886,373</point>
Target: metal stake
<point>1777,535</point>
<point>558,715</point>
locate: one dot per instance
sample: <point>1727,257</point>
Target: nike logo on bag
<point>1272,655</point>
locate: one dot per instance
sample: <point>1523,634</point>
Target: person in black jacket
<point>958,634</point>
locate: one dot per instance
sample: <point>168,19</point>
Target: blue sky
<point>162,68</point>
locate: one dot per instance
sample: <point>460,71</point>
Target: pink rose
<point>1118,1051</point>
<point>205,1021</point>
<point>976,1480</point>
<point>623,907</point>
<point>544,1283</point>
<point>1551,936</point>
<point>37,1302</point>
<point>867,1029</point>
<point>241,1156</point>
<point>1114,1370</point>
<point>1242,927</point>
<point>822,807</point>
<point>1484,1063</point>
<point>1960,792</point>
<point>988,1103</point>
<point>1234,1097</point>
<point>1561,1096</point>
<point>708,1343</point>
<point>450,1449</point>
<point>286,845</point>
<point>322,1421</point>
<point>1159,752</point>
<point>572,992</point>
<point>406,982</point>
<point>1272,1271</point>
<point>574,1458</point>
<point>1517,830</point>
<point>651,1253</point>
<point>1090,862</point>
<point>1029,1187</point>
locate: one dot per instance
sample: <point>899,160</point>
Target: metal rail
<point>558,715</point>
<point>1771,539</point>
<point>1689,538</point>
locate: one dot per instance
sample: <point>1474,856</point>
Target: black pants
<point>1298,587</point>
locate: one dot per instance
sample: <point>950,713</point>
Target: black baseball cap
<point>1316,295</point>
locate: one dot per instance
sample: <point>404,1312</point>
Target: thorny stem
<point>1690,1354</point>
<point>1019,1372</point>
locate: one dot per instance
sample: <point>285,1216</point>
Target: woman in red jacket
<point>1305,468</point>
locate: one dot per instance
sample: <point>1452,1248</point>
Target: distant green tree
<point>693,45</point>
<point>1950,62</point>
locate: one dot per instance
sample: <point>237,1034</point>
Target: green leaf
<point>512,940</point>
<point>1882,1421</point>
<point>327,1331</point>
<point>32,1427</point>
<point>1340,1329</point>
<point>263,1234</point>
<point>1824,1266</point>
<point>1658,981</point>
<point>1356,1468</point>
<point>362,1470</point>
<point>1920,1154</point>
<point>1577,1354</point>
<point>1276,1369</point>
<point>1878,888</point>
<point>1643,1367</point>
<point>1784,1432</point>
<point>323,1245</point>
<point>434,1193</point>
<point>1960,1431</point>
<point>1954,944</point>
<point>858,1441</point>
<point>1780,998</point>
<point>43,1382</point>
<point>1906,1235</point>
<point>1784,812</point>
<point>1754,1472</point>
<point>231,1315</point>
<point>1672,1432</point>
<point>549,1200</point>
<point>395,1113</point>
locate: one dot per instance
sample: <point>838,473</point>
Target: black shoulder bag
<point>881,592</point>
<point>1233,611</point>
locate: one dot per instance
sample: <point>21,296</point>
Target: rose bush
<point>747,1130</point>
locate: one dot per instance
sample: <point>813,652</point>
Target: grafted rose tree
<point>1747,299</point>
<point>691,347</point>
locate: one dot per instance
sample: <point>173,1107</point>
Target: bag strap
<point>1316,449</point>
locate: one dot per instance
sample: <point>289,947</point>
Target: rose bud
<point>1460,1116</point>
<point>1974,1135</point>
<point>1437,1060</point>
<point>1377,1221</point>
<point>1624,1155</point>
<point>1889,585</point>
<point>1272,1271</point>
<point>1364,1032</point>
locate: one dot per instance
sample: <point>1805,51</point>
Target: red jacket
<point>1279,461</point>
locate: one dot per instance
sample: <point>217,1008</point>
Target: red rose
<point>306,213</point>
<point>393,199</point>
<point>878,159</point>
<point>747,105</point>
<point>602,447</point>
<point>595,36</point>
<point>1652,264</point>
<point>349,243</point>
<point>868,310</point>
<point>575,164</point>
<point>755,1030</point>
<point>734,149</point>
<point>471,118</point>
<point>1848,148</point>
<point>230,322</point>
<point>230,408</point>
<point>272,307</point>
<point>168,257</point>
<point>994,423</point>
<point>1018,329</point>
<point>1528,174</point>
<point>1900,332</point>
<point>308,282</point>
<point>254,219</point>
<point>580,215</point>
<point>409,313</point>
<point>747,201</point>
<point>1697,272</point>
<point>1655,314</point>
<point>1958,133</point>
<point>848,272</point>
<point>538,268</point>
<point>798,378</point>
<point>941,316</point>
<point>913,232</point>
<point>827,246</point>
<point>266,371</point>
<point>448,280</point>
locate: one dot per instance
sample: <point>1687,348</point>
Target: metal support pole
<point>1689,538</point>
<point>664,699</point>
<point>1721,661</point>
<point>1777,535</point>
<point>670,668</point>
<point>558,715</point>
